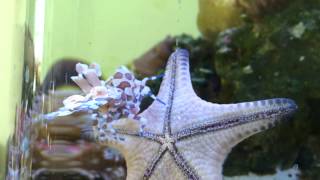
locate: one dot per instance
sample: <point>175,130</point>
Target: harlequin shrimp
<point>118,97</point>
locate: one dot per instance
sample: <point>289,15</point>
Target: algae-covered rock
<point>155,58</point>
<point>279,57</point>
<point>258,8</point>
<point>218,15</point>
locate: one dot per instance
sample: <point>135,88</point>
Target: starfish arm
<point>207,143</point>
<point>167,169</point>
<point>183,164</point>
<point>137,153</point>
<point>177,75</point>
<point>245,118</point>
<point>176,84</point>
<point>155,160</point>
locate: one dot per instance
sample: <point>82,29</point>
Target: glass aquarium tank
<point>166,89</point>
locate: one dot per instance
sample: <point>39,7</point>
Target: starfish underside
<point>189,138</point>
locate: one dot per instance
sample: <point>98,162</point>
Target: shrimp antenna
<point>155,98</point>
<point>152,78</point>
<point>155,77</point>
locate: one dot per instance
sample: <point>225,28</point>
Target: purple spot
<point>118,75</point>
<point>184,79</point>
<point>270,101</point>
<point>184,64</point>
<point>129,76</point>
<point>184,73</point>
<point>278,101</point>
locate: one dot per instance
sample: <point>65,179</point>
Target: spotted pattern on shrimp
<point>118,97</point>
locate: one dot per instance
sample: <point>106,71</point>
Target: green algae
<point>283,54</point>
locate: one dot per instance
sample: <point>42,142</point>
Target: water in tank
<point>166,89</point>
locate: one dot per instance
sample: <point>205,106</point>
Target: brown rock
<point>154,59</point>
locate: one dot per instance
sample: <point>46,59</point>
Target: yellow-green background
<point>12,13</point>
<point>113,32</point>
<point>110,32</point>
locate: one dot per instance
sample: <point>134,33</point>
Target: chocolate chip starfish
<point>189,138</point>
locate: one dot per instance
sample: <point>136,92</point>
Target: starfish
<point>187,137</point>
